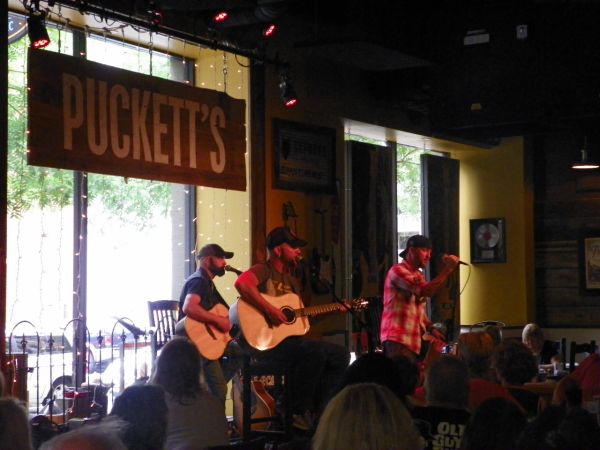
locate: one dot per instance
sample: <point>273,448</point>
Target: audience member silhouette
<point>515,365</point>
<point>539,434</point>
<point>196,419</point>
<point>557,428</point>
<point>101,436</point>
<point>14,427</point>
<point>366,416</point>
<point>496,424</point>
<point>375,368</point>
<point>545,352</point>
<point>475,349</point>
<point>585,380</point>
<point>442,422</point>
<point>144,410</point>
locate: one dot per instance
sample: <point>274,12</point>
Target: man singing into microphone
<point>198,296</point>
<point>405,292</point>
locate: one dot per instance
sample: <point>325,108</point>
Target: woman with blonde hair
<point>366,416</point>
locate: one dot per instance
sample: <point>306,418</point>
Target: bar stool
<point>253,366</point>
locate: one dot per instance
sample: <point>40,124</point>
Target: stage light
<point>221,16</point>
<point>269,30</point>
<point>288,93</point>
<point>38,35</point>
<point>156,17</point>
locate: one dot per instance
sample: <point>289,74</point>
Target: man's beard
<point>219,271</point>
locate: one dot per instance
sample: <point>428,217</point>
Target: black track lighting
<point>288,93</point>
<point>38,35</point>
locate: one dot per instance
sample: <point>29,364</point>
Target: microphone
<point>461,263</point>
<point>228,268</point>
<point>137,332</point>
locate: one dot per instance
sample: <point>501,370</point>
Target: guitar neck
<point>318,309</point>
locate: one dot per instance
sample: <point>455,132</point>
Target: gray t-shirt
<point>196,424</point>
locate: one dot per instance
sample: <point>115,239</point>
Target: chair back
<point>163,315</point>
<point>492,326</point>
<point>586,347</point>
<point>561,349</point>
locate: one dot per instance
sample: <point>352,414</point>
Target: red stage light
<point>38,35</point>
<point>221,16</point>
<point>269,30</point>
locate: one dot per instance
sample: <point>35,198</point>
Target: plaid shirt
<point>404,318</point>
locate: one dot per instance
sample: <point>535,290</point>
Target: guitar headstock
<point>359,304</point>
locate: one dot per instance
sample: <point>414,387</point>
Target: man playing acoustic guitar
<point>201,302</point>
<point>314,362</point>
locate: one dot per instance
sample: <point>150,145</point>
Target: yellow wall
<point>492,184</point>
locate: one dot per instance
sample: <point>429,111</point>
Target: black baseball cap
<point>417,240</point>
<point>283,235</point>
<point>214,250</point>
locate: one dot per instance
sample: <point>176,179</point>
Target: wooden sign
<point>95,118</point>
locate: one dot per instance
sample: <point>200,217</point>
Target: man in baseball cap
<point>201,302</point>
<point>313,362</point>
<point>418,241</point>
<point>283,235</point>
<point>214,250</point>
<point>404,319</point>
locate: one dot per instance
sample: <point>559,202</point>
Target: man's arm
<point>560,391</point>
<point>428,289</point>
<point>193,309</point>
<point>247,286</point>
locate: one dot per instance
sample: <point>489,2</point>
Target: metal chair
<point>163,315</point>
<point>587,347</point>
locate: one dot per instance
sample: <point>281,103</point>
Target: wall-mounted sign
<point>17,27</point>
<point>304,157</point>
<point>95,118</point>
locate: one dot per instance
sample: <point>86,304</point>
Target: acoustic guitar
<point>262,335</point>
<point>209,340</point>
<point>262,403</point>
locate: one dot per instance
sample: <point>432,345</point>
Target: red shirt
<point>404,318</point>
<point>587,375</point>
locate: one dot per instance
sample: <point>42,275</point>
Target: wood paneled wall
<point>567,207</point>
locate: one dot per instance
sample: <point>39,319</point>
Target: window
<point>135,234</point>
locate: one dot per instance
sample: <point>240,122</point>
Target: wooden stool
<point>282,373</point>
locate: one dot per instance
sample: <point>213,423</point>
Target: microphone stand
<point>353,313</point>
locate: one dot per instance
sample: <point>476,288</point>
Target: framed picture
<point>304,157</point>
<point>488,240</point>
<point>589,244</point>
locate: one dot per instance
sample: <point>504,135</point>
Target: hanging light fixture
<point>38,35</point>
<point>584,163</point>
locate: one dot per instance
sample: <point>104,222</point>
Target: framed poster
<point>488,240</point>
<point>304,157</point>
<point>590,258</point>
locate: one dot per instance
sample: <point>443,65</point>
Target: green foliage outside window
<point>30,187</point>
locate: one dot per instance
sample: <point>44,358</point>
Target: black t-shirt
<point>445,426</point>
<point>200,283</point>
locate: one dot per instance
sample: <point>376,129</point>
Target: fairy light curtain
<point>134,226</point>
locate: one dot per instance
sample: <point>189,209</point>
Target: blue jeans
<point>217,373</point>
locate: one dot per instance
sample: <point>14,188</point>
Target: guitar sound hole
<point>289,314</point>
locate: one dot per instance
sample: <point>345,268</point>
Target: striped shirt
<point>404,317</point>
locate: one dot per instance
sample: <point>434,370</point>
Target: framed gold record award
<point>488,240</point>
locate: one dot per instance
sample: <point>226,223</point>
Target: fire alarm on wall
<point>521,32</point>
